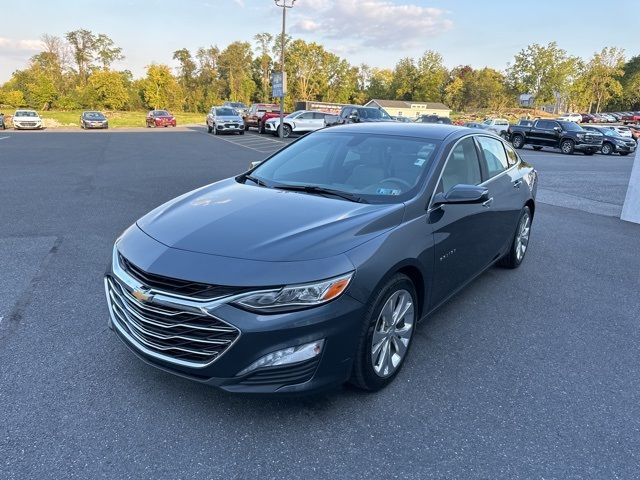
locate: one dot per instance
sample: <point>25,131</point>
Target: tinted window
<point>306,116</point>
<point>546,124</point>
<point>462,166</point>
<point>495,157</point>
<point>512,156</point>
<point>319,115</point>
<point>226,112</point>
<point>380,168</point>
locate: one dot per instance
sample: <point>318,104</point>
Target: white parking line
<point>241,144</point>
<point>4,138</point>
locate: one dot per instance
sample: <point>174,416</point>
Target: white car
<point>499,126</point>
<point>300,121</point>
<point>623,131</point>
<point>571,117</point>
<point>27,120</point>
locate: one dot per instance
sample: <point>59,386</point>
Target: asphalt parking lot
<point>530,373</point>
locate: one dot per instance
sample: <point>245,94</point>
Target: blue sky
<point>376,32</point>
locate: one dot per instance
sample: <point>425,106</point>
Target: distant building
<point>526,100</point>
<point>409,108</point>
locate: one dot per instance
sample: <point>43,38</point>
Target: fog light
<point>286,356</point>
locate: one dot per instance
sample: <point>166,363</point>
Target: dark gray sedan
<point>314,268</point>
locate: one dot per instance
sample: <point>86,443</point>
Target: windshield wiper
<point>321,190</point>
<point>255,180</point>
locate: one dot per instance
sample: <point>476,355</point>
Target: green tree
<point>454,94</point>
<point>234,65</point>
<point>187,79</point>
<point>160,89</point>
<point>83,44</point>
<point>264,64</point>
<point>208,78</point>
<point>431,77</point>
<point>380,84</point>
<point>105,51</point>
<point>604,71</point>
<point>405,80</point>
<point>107,90</point>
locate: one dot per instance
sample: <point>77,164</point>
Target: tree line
<point>75,71</point>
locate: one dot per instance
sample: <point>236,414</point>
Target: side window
<point>495,158</point>
<point>306,116</point>
<point>319,115</point>
<point>462,166</point>
<point>512,156</point>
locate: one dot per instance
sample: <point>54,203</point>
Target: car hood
<point>27,119</point>
<point>256,223</point>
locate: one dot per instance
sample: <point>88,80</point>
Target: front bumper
<point>337,322</point>
<point>91,125</point>
<point>27,125</point>
<point>624,148</point>
<point>229,127</point>
<point>271,127</point>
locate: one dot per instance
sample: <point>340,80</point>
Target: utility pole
<point>284,4</point>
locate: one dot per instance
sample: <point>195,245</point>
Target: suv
<point>613,142</point>
<point>253,117</point>
<point>224,120</point>
<point>300,121</point>
<point>355,114</point>
<point>240,107</point>
<point>433,119</point>
<point>567,136</point>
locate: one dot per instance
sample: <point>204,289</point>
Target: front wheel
<point>261,128</point>
<point>607,149</point>
<point>209,129</point>
<point>386,334</point>
<point>520,242</point>
<point>286,130</point>
<point>517,141</point>
<point>567,147</point>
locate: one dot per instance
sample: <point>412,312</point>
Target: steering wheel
<point>397,181</point>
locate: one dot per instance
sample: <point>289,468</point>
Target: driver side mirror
<point>461,194</point>
<point>354,117</point>
<point>557,129</point>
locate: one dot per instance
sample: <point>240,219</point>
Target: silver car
<point>224,120</point>
<point>300,121</point>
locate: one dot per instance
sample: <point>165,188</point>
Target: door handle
<point>517,184</point>
<point>488,203</point>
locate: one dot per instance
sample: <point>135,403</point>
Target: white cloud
<point>13,45</point>
<point>239,2</point>
<point>375,23</point>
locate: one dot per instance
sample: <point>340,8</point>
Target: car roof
<point>434,131</point>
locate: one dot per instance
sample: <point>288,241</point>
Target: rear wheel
<point>567,146</point>
<point>607,148</point>
<point>520,242</point>
<point>517,141</point>
<point>386,334</point>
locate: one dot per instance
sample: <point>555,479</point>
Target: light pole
<point>284,4</point>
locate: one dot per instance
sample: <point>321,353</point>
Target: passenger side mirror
<point>557,129</point>
<point>354,117</point>
<point>461,194</point>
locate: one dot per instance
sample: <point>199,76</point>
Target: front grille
<point>283,375</point>
<point>27,124</point>
<point>185,335</point>
<point>179,287</point>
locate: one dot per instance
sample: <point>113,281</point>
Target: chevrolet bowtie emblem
<point>142,295</point>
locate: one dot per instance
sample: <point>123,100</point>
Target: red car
<point>160,118</point>
<point>253,118</point>
<point>631,117</point>
<point>266,116</point>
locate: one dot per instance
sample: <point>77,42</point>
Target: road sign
<point>278,84</point>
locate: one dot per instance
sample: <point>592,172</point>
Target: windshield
<point>377,168</point>
<point>571,127</point>
<point>237,105</point>
<point>161,113</point>
<point>94,115</point>
<point>25,113</point>
<point>372,113</point>
<point>226,112</point>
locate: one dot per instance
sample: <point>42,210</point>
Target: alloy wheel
<point>522,238</point>
<point>392,333</point>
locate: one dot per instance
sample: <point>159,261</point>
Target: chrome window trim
<point>472,135</point>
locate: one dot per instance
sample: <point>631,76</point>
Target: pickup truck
<point>253,117</point>
<point>567,136</point>
<point>267,116</point>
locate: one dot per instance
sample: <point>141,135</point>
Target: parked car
<point>240,107</point>
<point>296,122</point>
<point>474,125</point>
<point>567,136</point>
<point>91,119</point>
<point>253,117</point>
<point>499,126</point>
<point>570,117</point>
<point>616,116</point>
<point>587,118</point>
<point>27,120</point>
<point>623,131</point>
<point>613,142</point>
<point>609,118</point>
<point>433,119</point>
<point>314,268</point>
<point>3,125</point>
<point>356,114</point>
<point>160,118</point>
<point>266,116</point>
<point>401,118</point>
<point>635,132</point>
<point>224,120</point>
<point>631,117</point>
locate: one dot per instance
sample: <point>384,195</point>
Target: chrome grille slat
<point>176,330</point>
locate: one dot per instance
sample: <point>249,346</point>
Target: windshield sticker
<point>388,191</point>
<point>419,162</point>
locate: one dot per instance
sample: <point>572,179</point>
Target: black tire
<point>241,132</point>
<point>261,129</point>
<point>537,148</point>
<point>363,374</point>
<point>624,154</point>
<point>567,146</point>
<point>209,129</point>
<point>286,130</point>
<point>511,259</point>
<point>246,127</point>
<point>607,148</point>
<point>588,153</point>
<point>517,141</point>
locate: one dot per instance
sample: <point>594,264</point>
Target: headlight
<point>580,136</point>
<point>296,297</point>
<point>620,142</point>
